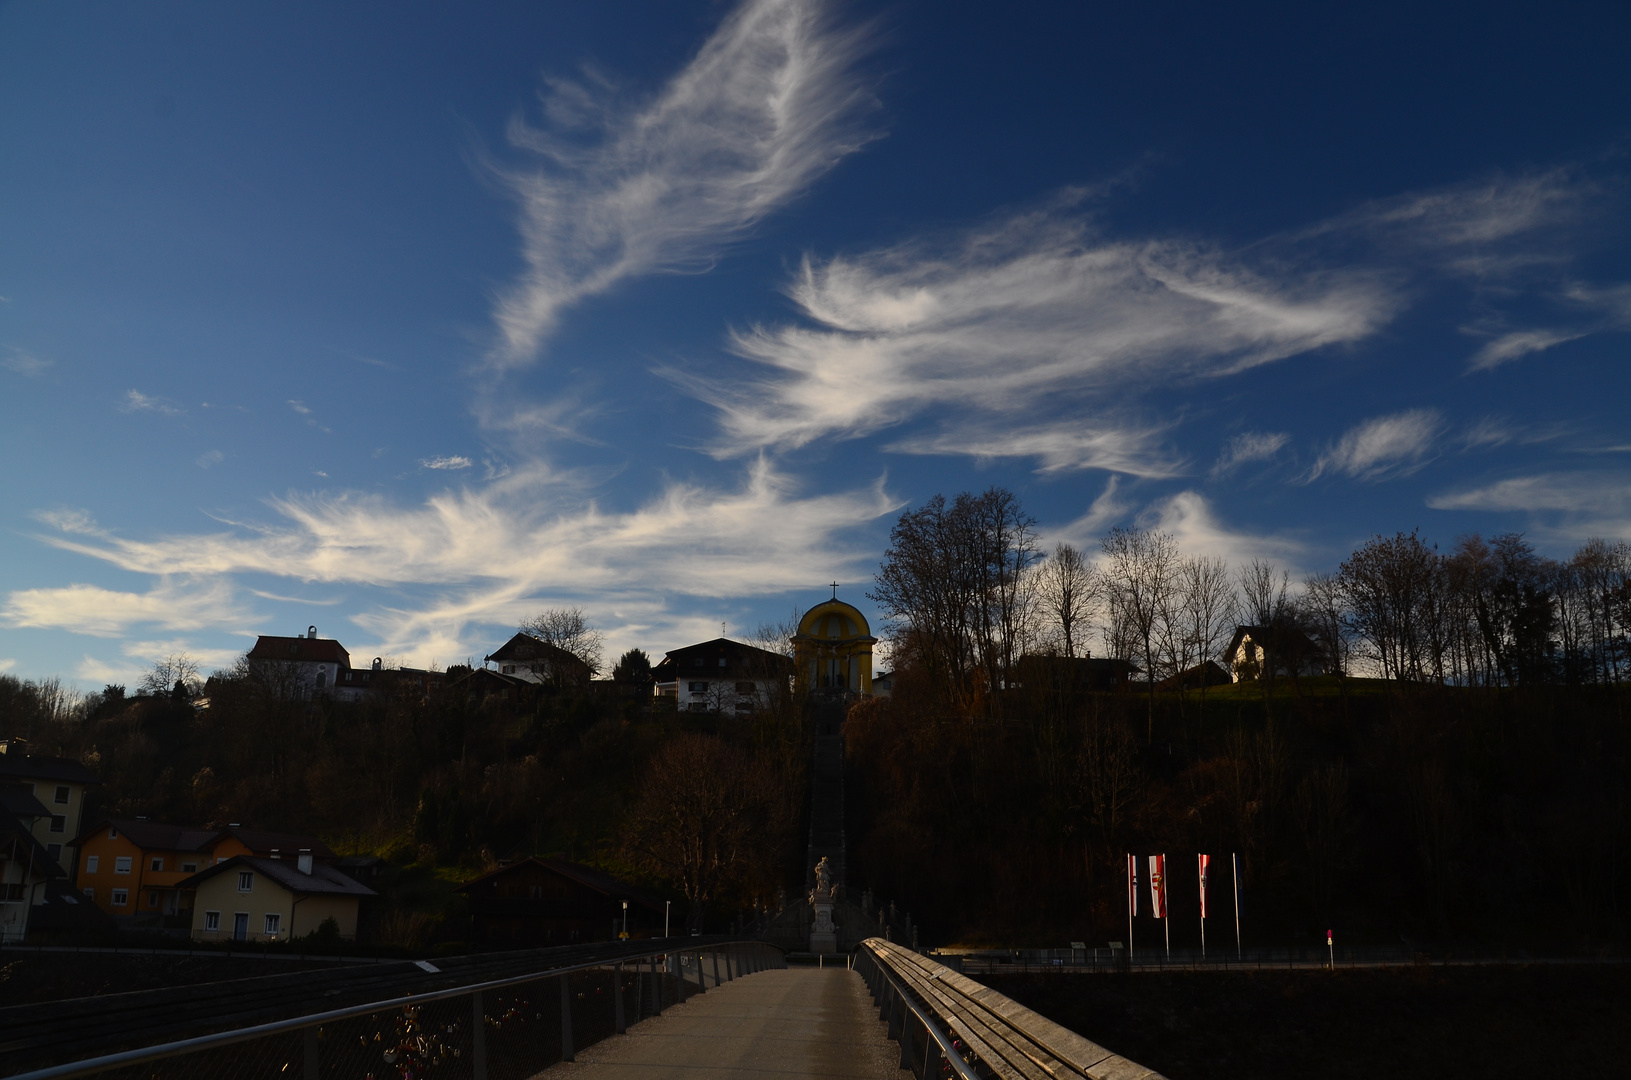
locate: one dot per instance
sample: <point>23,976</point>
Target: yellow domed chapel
<point>833,648</point>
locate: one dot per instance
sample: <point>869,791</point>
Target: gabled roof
<point>19,840</point>
<point>262,841</point>
<point>526,649</point>
<point>155,835</point>
<point>1282,637</point>
<point>19,800</point>
<point>741,661</point>
<point>587,876</point>
<point>16,766</point>
<point>323,879</point>
<point>301,649</point>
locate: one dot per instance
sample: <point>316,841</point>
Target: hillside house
<point>722,676</point>
<point>302,667</point>
<point>534,661</point>
<point>249,898</point>
<point>554,902</point>
<point>1278,650</point>
<point>60,785</point>
<point>26,868</point>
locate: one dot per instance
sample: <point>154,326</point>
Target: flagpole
<point>1234,874</point>
<point>1200,876</point>
<point>1132,905</point>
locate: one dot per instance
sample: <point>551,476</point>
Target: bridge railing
<point>939,1015</point>
<point>501,1029</point>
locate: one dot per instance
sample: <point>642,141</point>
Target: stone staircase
<point>827,792</point>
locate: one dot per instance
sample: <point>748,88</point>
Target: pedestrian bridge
<point>716,1009</point>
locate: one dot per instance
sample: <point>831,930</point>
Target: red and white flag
<point>1132,884</point>
<point>1205,862</point>
<point>1158,886</point>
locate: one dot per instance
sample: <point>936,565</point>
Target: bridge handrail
<point>1012,1041</point>
<point>311,1022</point>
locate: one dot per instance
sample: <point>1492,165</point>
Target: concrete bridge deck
<point>799,1021</point>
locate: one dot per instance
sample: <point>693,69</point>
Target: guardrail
<point>977,1031</point>
<point>494,1030</point>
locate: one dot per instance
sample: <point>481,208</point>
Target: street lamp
<point>666,904</point>
<point>625,935</point>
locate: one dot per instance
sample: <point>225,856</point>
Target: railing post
<point>617,988</point>
<point>679,973</point>
<point>566,1018</point>
<point>656,989</point>
<point>478,1035</point>
<point>314,1062</point>
<point>907,1058</point>
<point>716,968</point>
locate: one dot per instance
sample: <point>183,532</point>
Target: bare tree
<point>177,669</point>
<point>1208,607</point>
<point>1322,607</point>
<point>1069,590</point>
<point>567,628</point>
<point>1140,567</point>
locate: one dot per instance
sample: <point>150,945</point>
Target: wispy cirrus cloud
<point>100,612</point>
<point>445,462</point>
<point>1247,447</point>
<point>1563,506</point>
<point>20,362</point>
<point>1033,315</point>
<point>1069,444</point>
<point>771,102</point>
<point>135,401</point>
<point>491,555</point>
<point>1385,446</point>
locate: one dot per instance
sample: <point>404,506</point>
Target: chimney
<point>273,853</point>
<point>311,632</point>
<point>303,863</point>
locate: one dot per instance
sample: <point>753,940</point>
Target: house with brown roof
<point>538,662</point>
<point>250,898</point>
<point>723,676</point>
<point>554,902</point>
<point>133,868</point>
<point>300,667</point>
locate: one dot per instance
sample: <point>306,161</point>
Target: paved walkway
<point>800,1021</point>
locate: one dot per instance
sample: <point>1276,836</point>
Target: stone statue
<point>823,934</point>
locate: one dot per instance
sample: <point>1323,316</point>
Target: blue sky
<point>409,320</point>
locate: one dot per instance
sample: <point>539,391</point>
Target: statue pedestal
<point>823,935</point>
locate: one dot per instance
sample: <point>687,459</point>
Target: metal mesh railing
<point>504,1029</point>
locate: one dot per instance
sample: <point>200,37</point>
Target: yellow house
<point>833,648</point>
<point>59,784</point>
<point>249,898</point>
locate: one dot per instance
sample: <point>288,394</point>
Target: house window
<point>246,880</point>
<point>744,704</point>
<point>698,687</point>
<point>273,921</point>
<point>12,893</point>
<point>113,834</point>
<point>152,898</point>
<point>54,851</point>
<point>699,706</point>
<point>90,894</point>
<point>508,669</point>
<point>744,688</point>
<point>157,863</point>
<point>721,661</point>
<point>59,823</point>
<point>212,921</point>
<point>121,864</point>
<point>121,897</point>
<point>90,863</point>
<point>189,868</point>
<point>700,661</point>
<point>62,795</point>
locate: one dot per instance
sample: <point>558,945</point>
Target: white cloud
<point>1034,315</point>
<point>207,659</point>
<point>93,671</point>
<point>93,610</point>
<point>1564,507</point>
<point>299,406</point>
<point>1386,446</point>
<point>26,363</point>
<point>1189,517</point>
<point>1519,343</point>
<point>768,105</point>
<point>1249,446</point>
<point>209,458</point>
<point>457,461</point>
<point>6,664</point>
<point>488,555</point>
<point>136,401</point>
<point>1061,446</point>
